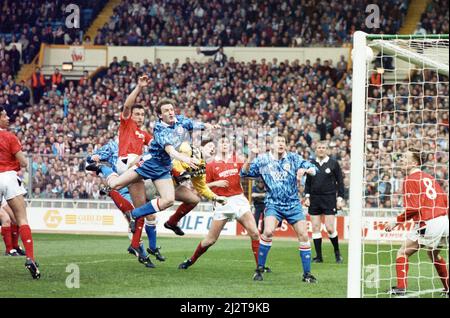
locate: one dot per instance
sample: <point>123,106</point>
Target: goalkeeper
<point>182,174</point>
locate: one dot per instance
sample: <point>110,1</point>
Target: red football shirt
<point>423,198</point>
<point>131,137</point>
<point>221,170</point>
<point>9,146</point>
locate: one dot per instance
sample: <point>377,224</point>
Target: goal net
<point>400,100</point>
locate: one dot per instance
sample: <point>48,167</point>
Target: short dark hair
<point>136,106</point>
<point>162,102</point>
<point>420,157</point>
<point>1,109</point>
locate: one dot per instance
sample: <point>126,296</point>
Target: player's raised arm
<point>131,99</point>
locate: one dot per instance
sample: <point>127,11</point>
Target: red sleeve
<point>14,145</point>
<point>209,173</point>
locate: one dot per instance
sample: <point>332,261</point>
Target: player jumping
<point>280,171</point>
<point>109,153</point>
<point>426,203</point>
<point>182,173</point>
<point>222,176</point>
<point>132,139</point>
<point>169,133</point>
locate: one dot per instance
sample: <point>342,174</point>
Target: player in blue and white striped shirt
<point>280,171</point>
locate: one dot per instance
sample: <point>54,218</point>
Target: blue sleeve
<point>253,170</point>
<point>190,125</point>
<point>104,152</point>
<point>301,163</point>
<point>163,137</point>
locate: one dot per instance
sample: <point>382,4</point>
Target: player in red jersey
<point>10,231</point>
<point>222,175</point>
<point>426,203</point>
<point>132,139</point>
<point>11,188</point>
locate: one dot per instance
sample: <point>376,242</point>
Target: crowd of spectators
<point>281,23</point>
<point>435,18</point>
<point>32,22</point>
<point>306,102</point>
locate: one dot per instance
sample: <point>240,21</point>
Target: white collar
<point>414,170</point>
<point>166,124</point>
<point>282,157</point>
<point>325,160</point>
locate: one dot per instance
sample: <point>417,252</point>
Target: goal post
<point>398,82</point>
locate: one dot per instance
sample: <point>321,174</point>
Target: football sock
<point>137,233</point>
<point>334,238</point>
<point>255,249</point>
<point>122,204</point>
<point>7,237</point>
<point>150,229</point>
<point>305,256</point>
<point>198,252</point>
<point>402,268</point>
<point>182,210</point>
<point>27,240</point>
<point>317,239</point>
<point>148,208</point>
<point>264,248</point>
<point>15,235</point>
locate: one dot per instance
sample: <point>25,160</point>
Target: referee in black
<point>320,197</point>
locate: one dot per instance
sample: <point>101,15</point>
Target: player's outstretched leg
<point>207,242</point>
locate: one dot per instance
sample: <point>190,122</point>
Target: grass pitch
<point>225,270</point>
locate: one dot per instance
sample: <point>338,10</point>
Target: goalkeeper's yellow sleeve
<point>202,188</point>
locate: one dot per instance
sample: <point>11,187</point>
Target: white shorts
<point>435,235</point>
<point>236,206</point>
<point>10,185</point>
<point>3,203</point>
<point>124,163</point>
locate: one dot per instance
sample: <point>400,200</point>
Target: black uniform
<point>322,188</point>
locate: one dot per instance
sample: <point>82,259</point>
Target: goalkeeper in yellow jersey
<point>182,173</point>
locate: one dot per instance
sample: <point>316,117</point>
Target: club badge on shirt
<point>327,170</point>
<point>287,166</point>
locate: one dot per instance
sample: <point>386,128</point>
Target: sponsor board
<point>101,220</point>
<point>285,230</point>
<point>374,229</point>
<point>79,220</point>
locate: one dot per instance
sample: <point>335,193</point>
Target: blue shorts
<point>126,194</point>
<point>153,169</point>
<point>292,215</point>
